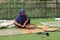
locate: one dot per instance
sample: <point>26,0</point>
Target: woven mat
<point>15,31</point>
<point>4,32</point>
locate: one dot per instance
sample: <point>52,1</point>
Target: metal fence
<point>9,10</point>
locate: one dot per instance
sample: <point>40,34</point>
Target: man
<point>22,20</point>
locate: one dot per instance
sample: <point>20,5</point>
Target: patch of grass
<point>37,21</point>
<point>53,36</point>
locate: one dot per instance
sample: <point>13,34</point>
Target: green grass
<point>37,21</point>
<point>53,35</point>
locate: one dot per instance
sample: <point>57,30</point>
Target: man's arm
<point>25,22</point>
<point>17,23</point>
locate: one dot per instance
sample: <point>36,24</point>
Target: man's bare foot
<point>30,26</point>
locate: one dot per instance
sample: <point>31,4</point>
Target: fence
<point>9,10</point>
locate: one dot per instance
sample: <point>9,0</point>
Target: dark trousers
<point>23,23</point>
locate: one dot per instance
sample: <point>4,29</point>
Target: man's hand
<point>23,25</point>
<point>17,23</point>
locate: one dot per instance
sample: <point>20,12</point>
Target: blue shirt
<point>20,19</point>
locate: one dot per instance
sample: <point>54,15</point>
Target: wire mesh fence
<point>38,8</point>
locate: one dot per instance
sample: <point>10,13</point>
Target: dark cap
<point>22,10</point>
